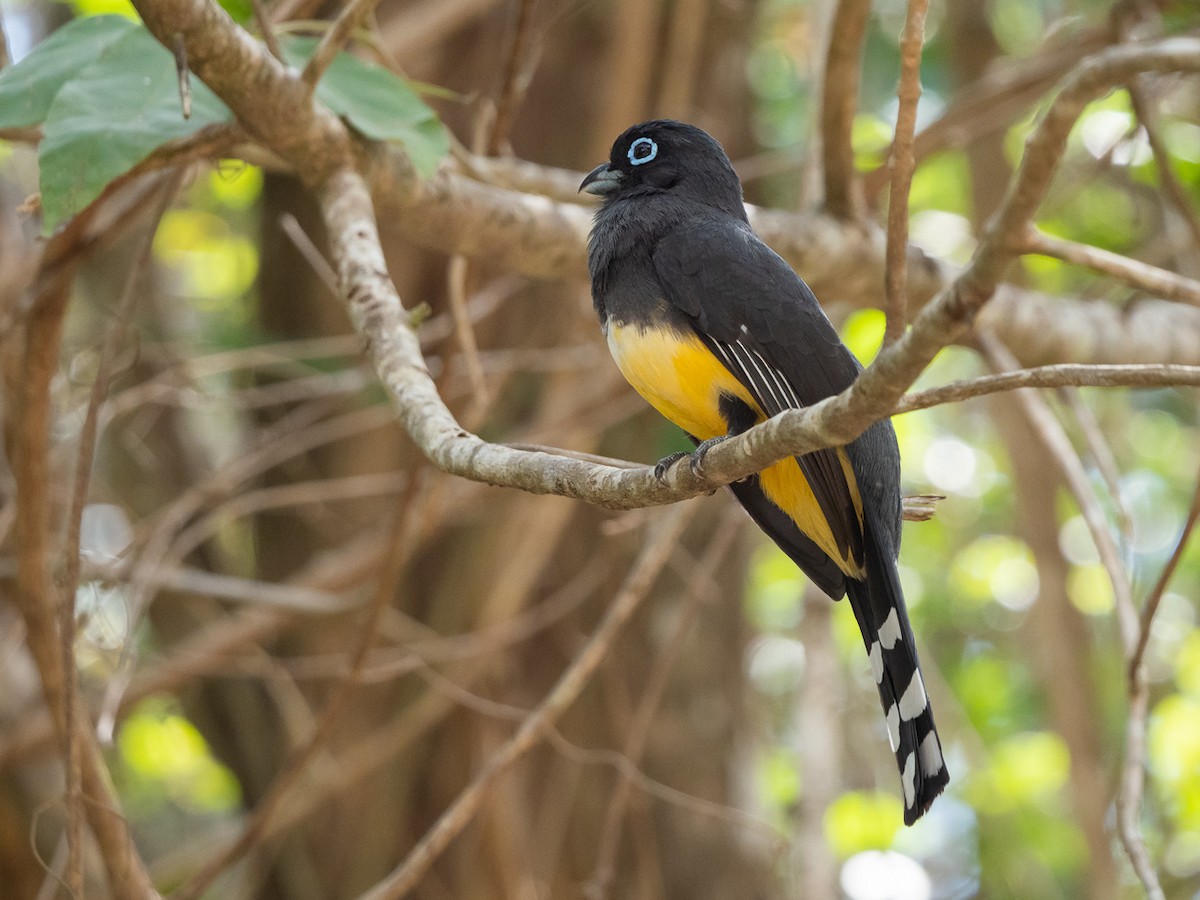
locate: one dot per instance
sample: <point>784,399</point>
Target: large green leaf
<point>110,117</point>
<point>28,88</point>
<point>379,104</point>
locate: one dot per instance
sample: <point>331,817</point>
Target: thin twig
<point>776,836</point>
<point>515,81</point>
<point>408,516</point>
<point>1129,799</point>
<point>995,101</point>
<point>182,76</point>
<point>1150,607</point>
<point>1048,429</point>
<point>1143,276</point>
<point>1146,111</point>
<point>334,40</point>
<point>843,197</point>
<point>1148,375</point>
<point>902,163</point>
<point>264,28</point>
<point>1102,455</point>
<point>641,578</point>
<point>457,273</point>
<point>313,256</point>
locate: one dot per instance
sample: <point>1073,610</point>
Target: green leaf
<point>110,117</point>
<point>241,11</point>
<point>28,88</point>
<point>377,103</point>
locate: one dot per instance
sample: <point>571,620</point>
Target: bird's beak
<point>601,180</point>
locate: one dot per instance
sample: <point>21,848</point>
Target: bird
<point>718,333</point>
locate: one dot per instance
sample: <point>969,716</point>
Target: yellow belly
<point>680,378</point>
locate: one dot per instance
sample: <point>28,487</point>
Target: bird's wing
<point>764,324</point>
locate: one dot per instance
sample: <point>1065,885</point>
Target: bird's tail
<point>878,605</point>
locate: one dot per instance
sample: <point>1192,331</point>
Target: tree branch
<point>839,103</point>
<point>902,165</point>
<point>334,40</point>
<point>36,593</point>
<point>1159,282</point>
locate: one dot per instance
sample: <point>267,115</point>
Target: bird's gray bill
<point>601,180</point>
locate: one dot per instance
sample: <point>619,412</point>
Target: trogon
<point>718,333</point>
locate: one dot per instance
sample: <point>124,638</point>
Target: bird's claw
<point>660,469</point>
<point>701,451</point>
<point>695,458</point>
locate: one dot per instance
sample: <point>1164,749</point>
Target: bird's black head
<point>664,156</point>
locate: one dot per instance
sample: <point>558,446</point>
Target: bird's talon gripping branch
<point>701,451</point>
<point>663,465</point>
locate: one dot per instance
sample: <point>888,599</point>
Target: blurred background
<point>251,482</point>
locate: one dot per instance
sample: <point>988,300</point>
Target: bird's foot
<point>702,451</point>
<point>660,469</point>
<point>695,458</point>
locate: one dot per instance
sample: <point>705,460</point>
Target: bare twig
<point>1055,439</point>
<point>843,196</point>
<point>1150,607</point>
<point>821,755</point>
<point>515,80</point>
<point>1156,281</point>
<point>457,272</point>
<point>777,837</point>
<point>995,101</point>
<point>1102,455</point>
<point>264,28</point>
<point>535,727</point>
<point>182,76</point>
<point>171,538</point>
<point>1065,375</point>
<point>1129,799</point>
<point>1145,109</point>
<point>902,164</point>
<point>334,40</point>
<point>313,256</point>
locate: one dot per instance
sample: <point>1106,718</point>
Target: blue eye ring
<point>639,143</point>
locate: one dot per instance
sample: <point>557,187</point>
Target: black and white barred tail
<point>878,605</point>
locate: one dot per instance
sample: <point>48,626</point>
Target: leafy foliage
<point>105,92</point>
<point>110,116</point>
<point>377,103</point>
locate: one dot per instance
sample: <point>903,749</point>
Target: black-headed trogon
<point>718,333</point>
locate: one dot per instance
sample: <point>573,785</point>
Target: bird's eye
<point>642,151</point>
